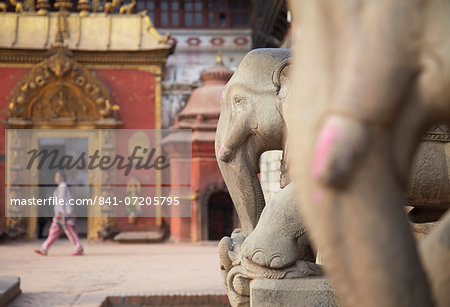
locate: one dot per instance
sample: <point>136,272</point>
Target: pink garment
<point>56,231</point>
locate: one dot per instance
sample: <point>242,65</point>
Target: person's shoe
<point>40,252</point>
<point>79,253</point>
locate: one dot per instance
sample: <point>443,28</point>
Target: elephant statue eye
<point>238,100</point>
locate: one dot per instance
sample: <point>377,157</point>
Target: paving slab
<point>108,269</point>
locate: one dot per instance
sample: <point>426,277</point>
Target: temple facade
<point>65,70</point>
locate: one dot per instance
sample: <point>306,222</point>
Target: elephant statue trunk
<point>241,169</point>
<point>237,133</point>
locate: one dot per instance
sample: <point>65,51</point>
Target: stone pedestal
<point>303,292</point>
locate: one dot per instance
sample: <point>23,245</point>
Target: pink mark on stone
<point>318,197</point>
<point>221,148</point>
<point>223,94</point>
<point>327,138</point>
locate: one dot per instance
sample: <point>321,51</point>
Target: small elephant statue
<point>110,6</point>
<point>273,241</point>
<point>370,78</point>
<point>127,8</point>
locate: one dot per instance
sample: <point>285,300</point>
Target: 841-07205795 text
<point>138,201</point>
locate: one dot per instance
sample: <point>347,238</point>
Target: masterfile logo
<point>67,162</point>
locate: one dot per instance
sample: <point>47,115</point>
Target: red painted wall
<point>134,91</point>
<point>205,171</point>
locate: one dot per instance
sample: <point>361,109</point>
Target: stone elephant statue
<point>250,123</point>
<point>272,241</point>
<point>370,78</point>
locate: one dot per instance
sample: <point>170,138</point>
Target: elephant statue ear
<point>281,82</point>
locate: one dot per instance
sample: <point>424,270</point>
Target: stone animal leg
<point>435,252</point>
<point>275,241</point>
<point>341,145</point>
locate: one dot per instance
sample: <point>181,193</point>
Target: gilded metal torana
<point>60,90</point>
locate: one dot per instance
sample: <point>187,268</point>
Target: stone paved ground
<point>107,269</point>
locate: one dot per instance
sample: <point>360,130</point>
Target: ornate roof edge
<point>96,32</point>
<point>140,57</point>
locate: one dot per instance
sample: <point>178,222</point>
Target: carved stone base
<point>310,292</point>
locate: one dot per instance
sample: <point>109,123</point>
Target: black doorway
<point>221,215</point>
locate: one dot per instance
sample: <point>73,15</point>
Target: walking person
<point>63,219</point>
